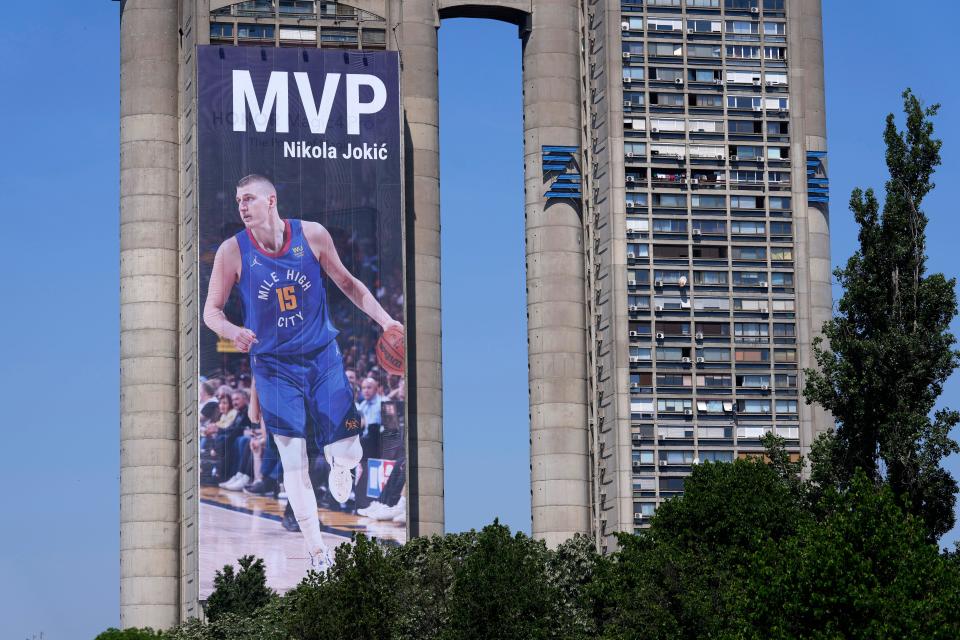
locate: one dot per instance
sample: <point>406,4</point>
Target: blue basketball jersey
<point>284,295</point>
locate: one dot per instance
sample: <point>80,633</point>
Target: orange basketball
<point>391,351</point>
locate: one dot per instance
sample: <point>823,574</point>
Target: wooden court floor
<point>234,524</point>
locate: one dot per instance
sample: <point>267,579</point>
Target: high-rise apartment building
<point>677,235</point>
<point>707,240</point>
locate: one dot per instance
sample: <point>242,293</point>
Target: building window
<point>704,26</point>
<point>709,202</point>
<point>785,356</point>
<point>779,279</point>
<point>674,201</point>
<point>665,49</point>
<point>747,228</point>
<point>221,30</point>
<point>753,406</point>
<point>743,52</point>
<point>749,253</point>
<point>255,32</point>
<point>757,356</point>
<point>711,227</point>
<point>750,330</point>
<point>710,278</point>
<point>743,27</point>
<point>703,51</point>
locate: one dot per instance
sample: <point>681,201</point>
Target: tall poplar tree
<point>889,350</point>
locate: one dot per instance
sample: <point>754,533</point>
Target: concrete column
<point>559,463</point>
<point>812,224</point>
<point>149,434</point>
<point>417,36</point>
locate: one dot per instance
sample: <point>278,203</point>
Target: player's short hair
<point>255,178</point>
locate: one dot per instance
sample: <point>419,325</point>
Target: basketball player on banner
<point>280,267</point>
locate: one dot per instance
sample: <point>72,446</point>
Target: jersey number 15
<point>287,297</point>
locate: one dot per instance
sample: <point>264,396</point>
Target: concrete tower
<point>149,314</point>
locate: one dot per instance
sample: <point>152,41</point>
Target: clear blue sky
<point>59,182</point>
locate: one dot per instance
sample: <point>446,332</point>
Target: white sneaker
<point>321,561</point>
<point>238,482</point>
<point>226,483</point>
<point>389,513</point>
<point>372,510</point>
<point>340,483</point>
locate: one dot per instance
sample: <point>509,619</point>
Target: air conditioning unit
<point>685,360</point>
<point>631,179</point>
<point>755,108</point>
<point>634,334</point>
<point>754,9</point>
<point>627,79</point>
<point>625,26</point>
<point>691,30</point>
<point>695,180</point>
<point>634,385</point>
<point>764,310</point>
<point>634,358</point>
<point>696,232</point>
<point>700,360</point>
<point>655,130</point>
<point>718,81</point>
<point>678,81</point>
<point>688,412</point>
<point>629,204</point>
<point>630,154</point>
<point>627,103</point>
<point>631,283</point>
<point>633,307</point>
<point>763,283</point>
<point>659,308</point>
<point>630,255</point>
<point>626,55</point>
<point>660,336</point>
<point>756,82</point>
<point>658,284</point>
<point>698,336</point>
<point>764,387</point>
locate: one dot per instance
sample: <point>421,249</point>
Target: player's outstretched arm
<point>225,272</point>
<point>322,244</point>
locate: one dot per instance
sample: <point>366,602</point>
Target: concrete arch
<point>513,11</point>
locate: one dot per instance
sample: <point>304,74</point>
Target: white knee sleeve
<point>296,481</point>
<point>346,453</point>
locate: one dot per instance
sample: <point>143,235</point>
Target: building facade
<point>677,249</point>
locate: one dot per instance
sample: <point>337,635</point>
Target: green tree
<point>430,566</point>
<point>889,349</point>
<point>502,590</point>
<point>570,569</point>
<point>685,576</point>
<point>865,570</point>
<point>357,599</point>
<point>240,593</point>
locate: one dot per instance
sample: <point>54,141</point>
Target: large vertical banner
<point>301,345</point>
